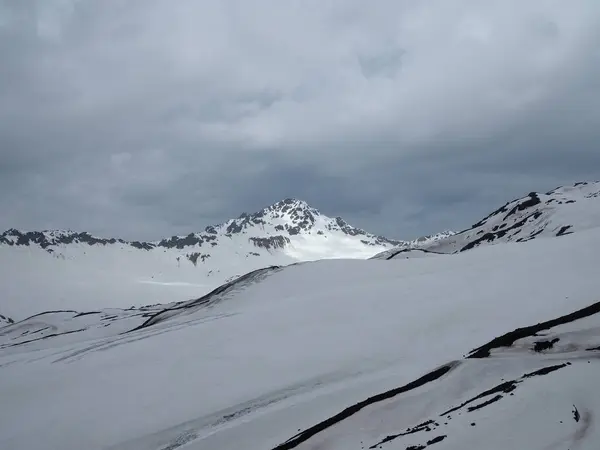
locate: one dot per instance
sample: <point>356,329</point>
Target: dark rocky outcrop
<point>509,339</point>
<point>47,239</point>
<point>4,320</point>
<point>533,200</point>
<point>271,242</point>
<point>193,257</point>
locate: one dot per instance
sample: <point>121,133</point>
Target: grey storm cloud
<point>148,118</point>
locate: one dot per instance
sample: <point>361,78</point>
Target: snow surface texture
<point>556,213</point>
<point>69,270</point>
<point>336,354</point>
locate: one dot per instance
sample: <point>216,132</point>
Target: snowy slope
<point>72,326</point>
<point>561,211</point>
<point>68,270</point>
<point>264,361</point>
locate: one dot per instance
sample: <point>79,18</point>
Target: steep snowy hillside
<point>559,212</point>
<point>493,348</point>
<point>68,270</point>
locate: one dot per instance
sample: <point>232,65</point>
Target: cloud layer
<point>144,118</point>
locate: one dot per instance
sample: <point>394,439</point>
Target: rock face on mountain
<point>562,211</point>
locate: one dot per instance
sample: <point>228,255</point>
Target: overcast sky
<point>146,118</point>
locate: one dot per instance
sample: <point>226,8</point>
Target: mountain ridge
<point>560,211</point>
<point>297,217</point>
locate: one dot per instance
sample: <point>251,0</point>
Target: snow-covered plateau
<point>496,346</point>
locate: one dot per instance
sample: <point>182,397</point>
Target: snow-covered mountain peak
<point>291,216</point>
<point>271,227</point>
<point>537,205</point>
<point>558,212</point>
<point>297,212</point>
<point>292,206</point>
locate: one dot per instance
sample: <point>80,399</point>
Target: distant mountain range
<point>43,270</point>
<point>66,267</point>
<point>271,228</point>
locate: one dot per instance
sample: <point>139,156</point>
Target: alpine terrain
<point>75,270</point>
<point>491,341</point>
<point>559,212</point>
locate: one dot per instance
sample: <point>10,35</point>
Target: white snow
<point>104,277</point>
<point>282,353</point>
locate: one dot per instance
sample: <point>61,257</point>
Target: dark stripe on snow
<point>509,339</point>
<point>204,300</point>
<point>310,432</point>
<point>505,340</point>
